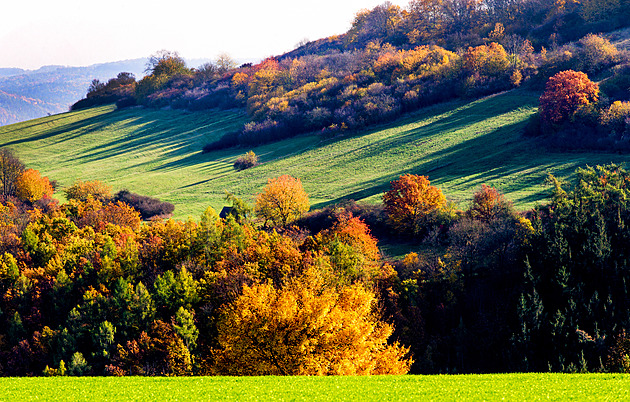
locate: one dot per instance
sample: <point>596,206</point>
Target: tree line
<point>391,61</point>
<point>89,288</point>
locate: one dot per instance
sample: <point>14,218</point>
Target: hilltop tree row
<point>390,62</point>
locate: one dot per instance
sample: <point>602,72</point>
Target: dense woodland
<point>107,284</point>
<point>88,288</point>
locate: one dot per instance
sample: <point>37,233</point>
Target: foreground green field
<point>459,145</point>
<point>510,387</point>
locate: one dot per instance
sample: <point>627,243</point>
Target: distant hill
<point>7,72</point>
<point>18,108</point>
<point>29,94</point>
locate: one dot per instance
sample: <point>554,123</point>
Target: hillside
<point>459,145</point>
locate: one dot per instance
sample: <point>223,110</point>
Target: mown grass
<point>509,387</point>
<point>459,145</point>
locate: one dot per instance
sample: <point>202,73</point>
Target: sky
<point>35,33</point>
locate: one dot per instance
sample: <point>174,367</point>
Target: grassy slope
<point>512,387</point>
<point>459,145</point>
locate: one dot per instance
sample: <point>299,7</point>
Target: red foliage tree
<point>488,204</point>
<point>411,199</point>
<point>564,94</point>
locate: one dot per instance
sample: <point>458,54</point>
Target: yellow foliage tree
<point>282,201</point>
<point>81,190</point>
<point>596,53</point>
<point>306,328</point>
<point>31,186</point>
<point>490,60</point>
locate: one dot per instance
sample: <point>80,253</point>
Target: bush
<point>228,140</point>
<point>119,89</point>
<point>128,101</point>
<point>596,53</point>
<point>147,206</point>
<point>616,119</point>
<point>250,159</point>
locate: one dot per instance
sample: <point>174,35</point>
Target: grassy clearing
<point>459,145</point>
<point>511,387</point>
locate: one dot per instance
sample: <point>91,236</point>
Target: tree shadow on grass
<point>175,136</point>
<point>62,132</point>
<point>372,188</point>
<point>500,156</point>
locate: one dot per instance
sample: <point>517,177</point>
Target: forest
<point>89,288</point>
<point>109,284</point>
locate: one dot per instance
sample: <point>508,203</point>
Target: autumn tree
<point>10,169</point>
<point>426,20</point>
<point>490,60</point>
<point>306,328</point>
<point>411,200</point>
<point>81,190</point>
<point>166,63</point>
<point>488,203</point>
<point>564,94</point>
<point>616,119</point>
<point>161,67</point>
<point>95,87</point>
<point>93,213</point>
<point>159,351</point>
<point>352,249</point>
<point>282,201</point>
<point>225,63</point>
<point>377,24</point>
<point>31,186</point>
<point>596,53</point>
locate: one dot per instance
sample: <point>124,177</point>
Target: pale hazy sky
<point>34,33</point>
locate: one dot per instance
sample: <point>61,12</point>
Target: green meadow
<point>493,387</point>
<point>459,145</point>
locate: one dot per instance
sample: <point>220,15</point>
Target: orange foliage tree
<point>564,94</point>
<point>31,186</point>
<point>353,251</point>
<point>488,204</point>
<point>282,201</point>
<point>306,328</point>
<point>93,213</point>
<point>411,200</point>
